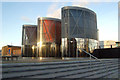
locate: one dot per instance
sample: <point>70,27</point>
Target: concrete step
<point>32,68</point>
<point>46,71</point>
<point>102,73</point>
<point>70,72</point>
<point>112,74</point>
<point>92,72</point>
<point>62,69</point>
<point>53,63</point>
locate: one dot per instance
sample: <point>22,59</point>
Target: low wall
<point>107,53</point>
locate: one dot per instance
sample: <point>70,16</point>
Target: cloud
<point>80,4</point>
<point>26,19</point>
<point>55,13</point>
<point>58,0</point>
<point>52,8</point>
<point>55,10</point>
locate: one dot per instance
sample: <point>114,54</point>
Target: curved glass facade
<point>29,40</point>
<point>80,43</point>
<point>79,22</point>
<point>48,37</point>
<point>79,31</point>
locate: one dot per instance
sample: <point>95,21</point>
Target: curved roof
<point>48,18</point>
<point>78,8</point>
<point>28,25</point>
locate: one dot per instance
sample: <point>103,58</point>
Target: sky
<point>16,14</point>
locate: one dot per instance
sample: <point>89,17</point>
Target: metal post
<point>90,62</point>
<point>69,32</point>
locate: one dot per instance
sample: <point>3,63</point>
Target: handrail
<point>96,59</point>
<point>90,54</point>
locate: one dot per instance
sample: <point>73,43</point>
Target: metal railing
<point>90,54</point>
<point>104,64</point>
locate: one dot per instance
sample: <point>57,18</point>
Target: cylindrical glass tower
<point>48,37</point>
<point>79,31</point>
<point>29,40</point>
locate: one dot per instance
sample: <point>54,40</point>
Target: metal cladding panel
<point>29,35</point>
<point>49,34</point>
<point>79,22</point>
<point>72,46</point>
<point>58,32</point>
<point>29,39</point>
<point>28,51</point>
<point>51,30</point>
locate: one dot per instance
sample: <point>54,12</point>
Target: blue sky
<point>15,14</point>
